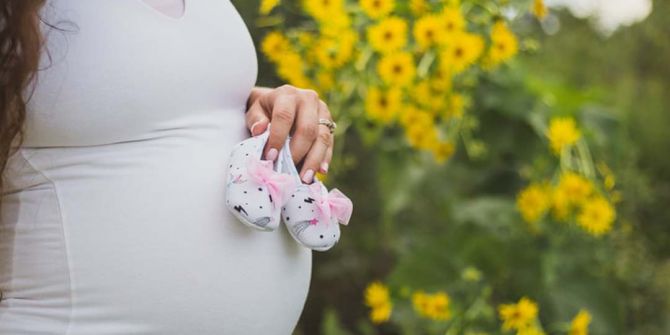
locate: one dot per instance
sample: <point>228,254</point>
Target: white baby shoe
<point>312,214</point>
<point>256,190</point>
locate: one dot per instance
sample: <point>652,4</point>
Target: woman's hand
<point>295,111</point>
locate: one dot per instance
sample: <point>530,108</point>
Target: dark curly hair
<point>20,47</point>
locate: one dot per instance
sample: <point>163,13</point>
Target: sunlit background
<point>508,161</point>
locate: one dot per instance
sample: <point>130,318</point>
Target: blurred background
<point>528,194</point>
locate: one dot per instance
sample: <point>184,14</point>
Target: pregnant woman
<point>117,120</point>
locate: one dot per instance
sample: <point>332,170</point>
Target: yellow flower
<point>378,299</point>
<point>580,324</point>
<point>457,105</point>
<point>440,306</point>
<point>421,136</point>
<point>559,204</point>
<point>291,67</point>
<point>298,80</point>
<point>441,79</point>
<point>452,20</point>
<point>420,301</point>
<point>388,35</point>
<point>323,10</point>
<point>306,38</point>
<point>381,105</point>
<point>267,6</point>
<point>562,133</point>
<point>334,52</point>
<point>504,44</point>
<point>325,81</point>
<point>533,202</point>
<point>428,31</point>
<point>518,316</point>
<point>377,8</point>
<point>442,151</point>
<point>432,95</point>
<point>397,69</point>
<point>418,7</point>
<point>575,187</point>
<point>532,330</point>
<point>597,216</point>
<point>429,96</point>
<point>432,306</point>
<point>451,3</point>
<point>290,63</point>
<point>275,45</point>
<point>461,51</point>
<point>337,23</point>
<point>539,9</point>
<point>376,294</point>
<point>412,115</point>
<point>380,314</point>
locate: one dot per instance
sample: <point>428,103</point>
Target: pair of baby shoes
<point>261,193</point>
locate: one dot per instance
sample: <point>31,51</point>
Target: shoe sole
<point>290,231</point>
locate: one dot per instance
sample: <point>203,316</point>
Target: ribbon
<point>331,204</point>
<point>280,185</point>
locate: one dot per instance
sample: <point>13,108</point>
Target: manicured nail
<point>308,176</point>
<point>272,154</point>
<point>324,167</point>
<point>254,126</point>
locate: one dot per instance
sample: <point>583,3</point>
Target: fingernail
<point>272,154</point>
<point>308,176</point>
<point>324,167</point>
<point>254,126</point>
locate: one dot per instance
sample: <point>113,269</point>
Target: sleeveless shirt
<point>113,212</point>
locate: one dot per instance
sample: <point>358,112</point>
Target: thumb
<point>256,119</point>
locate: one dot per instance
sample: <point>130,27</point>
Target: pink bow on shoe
<point>334,203</point>
<point>279,185</point>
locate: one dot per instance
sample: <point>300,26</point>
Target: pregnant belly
<point>146,244</point>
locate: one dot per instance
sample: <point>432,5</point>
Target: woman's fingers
<point>256,118</point>
<point>329,156</point>
<point>329,153</point>
<point>316,155</point>
<point>295,111</point>
<point>306,124</point>
<point>283,114</point>
<point>318,152</point>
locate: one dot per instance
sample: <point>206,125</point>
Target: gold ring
<point>328,123</point>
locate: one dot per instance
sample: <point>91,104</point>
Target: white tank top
<point>113,214</point>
